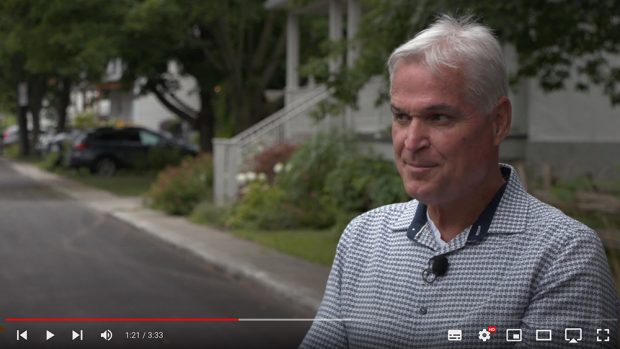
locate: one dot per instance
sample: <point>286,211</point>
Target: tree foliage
<point>561,43</point>
<point>231,47</point>
<point>53,45</point>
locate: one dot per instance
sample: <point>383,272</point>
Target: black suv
<point>104,150</point>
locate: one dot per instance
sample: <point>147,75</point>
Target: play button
<point>48,335</point>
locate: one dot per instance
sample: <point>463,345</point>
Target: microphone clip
<point>437,266</point>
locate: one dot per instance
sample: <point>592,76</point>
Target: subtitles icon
<point>572,335</point>
<point>455,335</point>
<point>514,335</point>
<point>543,335</point>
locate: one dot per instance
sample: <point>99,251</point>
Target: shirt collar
<point>506,213</point>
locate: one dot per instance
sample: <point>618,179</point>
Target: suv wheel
<point>104,167</point>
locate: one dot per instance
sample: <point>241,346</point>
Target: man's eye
<point>401,117</point>
<point>439,118</point>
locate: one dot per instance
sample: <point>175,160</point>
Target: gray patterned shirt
<point>532,268</point>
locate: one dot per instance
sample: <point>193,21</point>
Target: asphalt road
<point>59,259</point>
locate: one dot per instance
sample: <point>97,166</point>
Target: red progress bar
<point>121,319</point>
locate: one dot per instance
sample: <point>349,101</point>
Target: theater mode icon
<point>543,335</point>
<point>455,335</point>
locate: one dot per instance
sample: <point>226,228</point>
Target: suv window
<point>148,138</point>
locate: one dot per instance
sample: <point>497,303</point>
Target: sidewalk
<point>300,281</point>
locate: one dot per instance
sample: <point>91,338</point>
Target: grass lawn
<point>317,246</point>
<point>122,184</point>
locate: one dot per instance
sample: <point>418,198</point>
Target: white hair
<point>460,44</point>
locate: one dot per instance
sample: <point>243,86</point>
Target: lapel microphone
<point>437,266</point>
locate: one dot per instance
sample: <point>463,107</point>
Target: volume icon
<point>107,335</point>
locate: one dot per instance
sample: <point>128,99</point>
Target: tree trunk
<point>36,91</point>
<point>22,122</point>
<point>63,96</point>
<point>205,123</point>
<point>36,127</point>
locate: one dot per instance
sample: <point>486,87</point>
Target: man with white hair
<point>473,258</point>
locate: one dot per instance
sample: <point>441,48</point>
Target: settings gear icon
<point>484,335</point>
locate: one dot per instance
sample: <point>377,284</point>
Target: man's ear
<point>502,119</point>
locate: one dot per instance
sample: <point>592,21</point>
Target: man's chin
<point>421,194</point>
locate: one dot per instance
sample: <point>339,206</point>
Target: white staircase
<point>293,123</point>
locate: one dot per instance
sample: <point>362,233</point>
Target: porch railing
<point>234,155</point>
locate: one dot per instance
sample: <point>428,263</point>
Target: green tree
<point>554,40</point>
<point>53,45</point>
<point>230,47</point>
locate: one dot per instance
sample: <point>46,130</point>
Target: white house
<point>121,104</point>
<point>573,133</point>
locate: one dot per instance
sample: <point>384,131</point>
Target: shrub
<point>179,189</point>
<point>362,182</point>
<point>262,206</point>
<point>207,212</point>
<point>268,207</point>
<point>306,174</point>
<point>265,161</point>
<point>308,167</point>
<point>327,182</point>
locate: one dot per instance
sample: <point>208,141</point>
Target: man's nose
<point>417,136</point>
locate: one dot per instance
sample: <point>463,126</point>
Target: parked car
<point>56,141</point>
<point>10,136</point>
<point>104,150</point>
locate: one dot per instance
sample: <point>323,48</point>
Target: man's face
<point>444,147</point>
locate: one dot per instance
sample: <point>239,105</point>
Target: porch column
<point>354,14</point>
<point>353,20</point>
<point>292,57</point>
<point>335,30</point>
